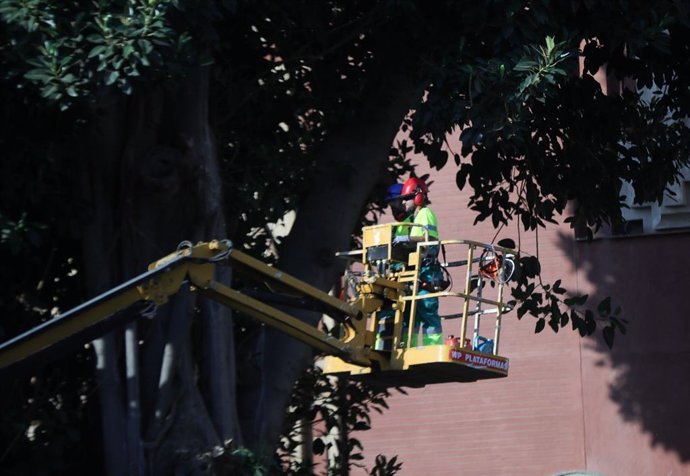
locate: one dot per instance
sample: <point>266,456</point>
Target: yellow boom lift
<point>388,279</point>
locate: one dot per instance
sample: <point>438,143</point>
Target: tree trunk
<point>153,182</point>
<point>349,164</point>
<point>100,266</point>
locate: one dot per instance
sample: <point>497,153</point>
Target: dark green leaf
<point>531,266</point>
<point>604,307</point>
<point>554,322</point>
<point>609,334</point>
<point>541,323</point>
<point>111,77</point>
<point>38,75</point>
<point>564,319</point>
<point>522,310</point>
<point>461,176</point>
<point>576,300</point>
<point>96,50</point>
<point>318,446</point>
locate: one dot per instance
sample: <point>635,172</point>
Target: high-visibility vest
<point>427,218</point>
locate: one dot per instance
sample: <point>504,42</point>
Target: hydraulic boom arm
<point>195,265</point>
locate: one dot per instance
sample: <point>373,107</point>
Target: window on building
<point>671,215</point>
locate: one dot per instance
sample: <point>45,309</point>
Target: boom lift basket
<point>392,274</point>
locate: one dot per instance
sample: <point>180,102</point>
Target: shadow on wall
<point>648,276</point>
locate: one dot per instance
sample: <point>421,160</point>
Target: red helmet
<point>415,186</point>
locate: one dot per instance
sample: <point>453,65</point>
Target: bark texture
<point>152,180</point>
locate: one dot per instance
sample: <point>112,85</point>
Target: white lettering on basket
<point>474,360</point>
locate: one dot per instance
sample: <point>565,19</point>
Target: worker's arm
<point>422,236</point>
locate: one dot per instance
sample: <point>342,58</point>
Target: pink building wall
<point>568,404</point>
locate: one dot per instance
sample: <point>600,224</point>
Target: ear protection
<point>414,189</point>
<point>419,197</point>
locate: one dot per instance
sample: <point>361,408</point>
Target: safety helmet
<point>416,187</point>
<point>393,192</point>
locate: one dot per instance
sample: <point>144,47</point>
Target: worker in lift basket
<point>414,195</point>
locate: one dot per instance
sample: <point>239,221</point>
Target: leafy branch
<point>72,53</point>
<point>541,63</point>
<point>338,408</point>
<point>550,306</point>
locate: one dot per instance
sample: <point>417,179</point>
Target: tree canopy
<point>130,125</point>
